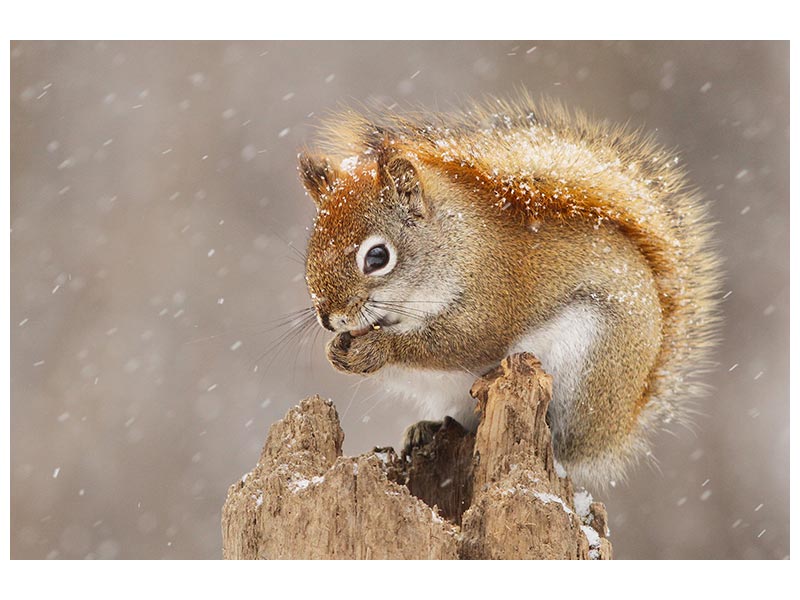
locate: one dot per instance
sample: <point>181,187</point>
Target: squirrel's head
<point>375,257</point>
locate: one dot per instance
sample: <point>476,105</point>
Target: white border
<point>403,20</point>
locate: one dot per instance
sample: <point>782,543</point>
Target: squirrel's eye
<point>376,258</point>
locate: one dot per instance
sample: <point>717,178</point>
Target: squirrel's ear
<point>318,176</point>
<point>405,180</point>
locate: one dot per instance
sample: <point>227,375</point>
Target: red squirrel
<point>445,242</point>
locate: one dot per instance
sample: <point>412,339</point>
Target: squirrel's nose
<point>334,321</point>
<point>326,321</point>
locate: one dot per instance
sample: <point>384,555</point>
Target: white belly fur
<point>435,394</point>
<point>562,344</point>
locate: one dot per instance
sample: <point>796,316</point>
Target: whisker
<point>357,385</point>
<point>374,404</point>
<point>301,341</point>
<point>288,318</point>
<point>412,301</point>
<point>374,316</point>
<point>397,305</point>
<point>418,315</point>
<point>297,340</point>
<point>277,233</point>
<point>367,317</point>
<point>286,336</point>
<point>277,323</point>
<point>311,347</point>
<point>298,328</point>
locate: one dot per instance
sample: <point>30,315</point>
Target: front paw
<point>360,355</point>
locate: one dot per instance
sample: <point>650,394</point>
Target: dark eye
<point>376,258</point>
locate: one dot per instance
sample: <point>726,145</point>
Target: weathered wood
<point>440,473</point>
<point>493,494</point>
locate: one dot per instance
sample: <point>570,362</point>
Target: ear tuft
<point>318,176</point>
<point>405,179</point>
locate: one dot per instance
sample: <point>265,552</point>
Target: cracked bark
<point>492,494</point>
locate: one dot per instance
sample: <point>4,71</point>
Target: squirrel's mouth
<point>381,323</point>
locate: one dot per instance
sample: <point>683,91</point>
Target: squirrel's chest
<point>435,393</point>
<point>563,344</point>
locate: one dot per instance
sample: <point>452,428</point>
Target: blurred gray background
<point>154,198</point>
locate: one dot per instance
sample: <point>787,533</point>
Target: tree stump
<point>493,494</point>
